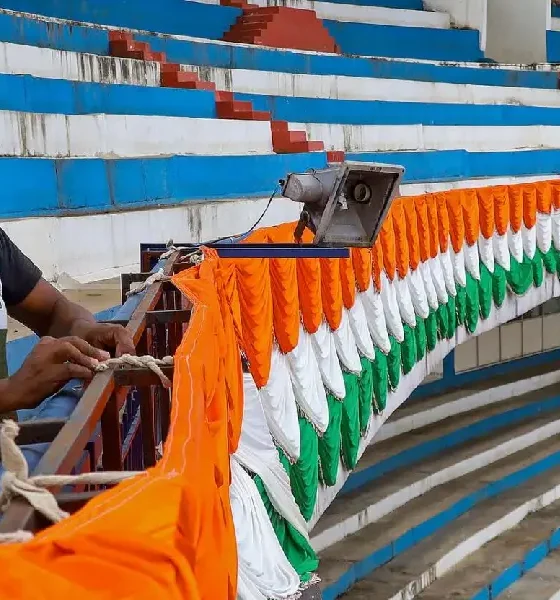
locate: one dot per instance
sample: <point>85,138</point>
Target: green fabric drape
<point>421,341</point>
<point>520,275</point>
<point>329,444</point>
<point>499,285</point>
<point>473,304</point>
<point>394,363</point>
<point>304,474</point>
<point>549,260</point>
<point>431,330</point>
<point>485,291</point>
<point>380,379</point>
<point>366,393</point>
<point>452,315</point>
<point>350,424</point>
<point>538,270</point>
<point>408,349</point>
<point>461,303</point>
<point>297,549</point>
<point>442,317</point>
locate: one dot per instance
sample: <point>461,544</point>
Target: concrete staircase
<point>427,509</point>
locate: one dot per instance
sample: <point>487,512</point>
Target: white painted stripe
<point>17,59</point>
<point>102,135</point>
<point>375,512</point>
<point>122,232</point>
<point>415,138</point>
<point>555,596</point>
<point>465,405</point>
<point>341,87</point>
<point>375,15</point>
<point>556,27</point>
<point>475,542</point>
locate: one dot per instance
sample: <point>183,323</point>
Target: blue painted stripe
<point>420,452</point>
<point>79,38</point>
<point>556,11</point>
<point>48,187</point>
<point>459,164</point>
<point>364,39</point>
<point>516,571</point>
<point>553,46</point>
<point>179,17</point>
<point>41,95</point>
<point>237,57</point>
<point>35,94</point>
<point>380,112</point>
<point>439,521</point>
<point>37,186</point>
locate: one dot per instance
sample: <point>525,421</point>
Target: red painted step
<point>284,141</point>
<point>335,156</point>
<point>282,27</point>
<point>299,147</point>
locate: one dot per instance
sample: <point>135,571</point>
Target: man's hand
<point>50,365</point>
<point>109,337</point>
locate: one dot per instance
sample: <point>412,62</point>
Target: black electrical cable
<point>253,227</point>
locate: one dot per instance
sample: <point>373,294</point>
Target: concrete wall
<point>538,331</point>
<point>463,13</point>
<point>516,30</point>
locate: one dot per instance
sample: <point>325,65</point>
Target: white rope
<point>149,362</point>
<point>16,537</point>
<point>153,278</point>
<point>171,250</point>
<point>16,482</point>
<point>195,257</point>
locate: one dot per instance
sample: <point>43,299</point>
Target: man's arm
<point>48,312</point>
<point>82,342</point>
<point>36,303</point>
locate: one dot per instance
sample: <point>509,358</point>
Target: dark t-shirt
<point>18,277</point>
<point>17,273</point>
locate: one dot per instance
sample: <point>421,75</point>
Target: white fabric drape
<point>327,359</point>
<point>264,570</point>
<point>279,404</point>
<point>307,382</point>
<point>257,452</point>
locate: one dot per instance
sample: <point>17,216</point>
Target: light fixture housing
<point>344,204</point>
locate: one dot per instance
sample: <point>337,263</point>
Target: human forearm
<point>69,319</point>
<point>9,401</point>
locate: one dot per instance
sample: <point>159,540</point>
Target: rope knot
<point>149,362</point>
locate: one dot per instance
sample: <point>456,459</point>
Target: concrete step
<point>420,412</point>
<point>352,511</point>
<point>497,561</point>
<point>542,582</point>
<point>367,548</point>
<point>444,554</point>
<point>482,421</point>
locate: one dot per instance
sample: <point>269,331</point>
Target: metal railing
<point>123,416</point>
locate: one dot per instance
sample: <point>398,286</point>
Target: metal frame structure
<point>123,414</point>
